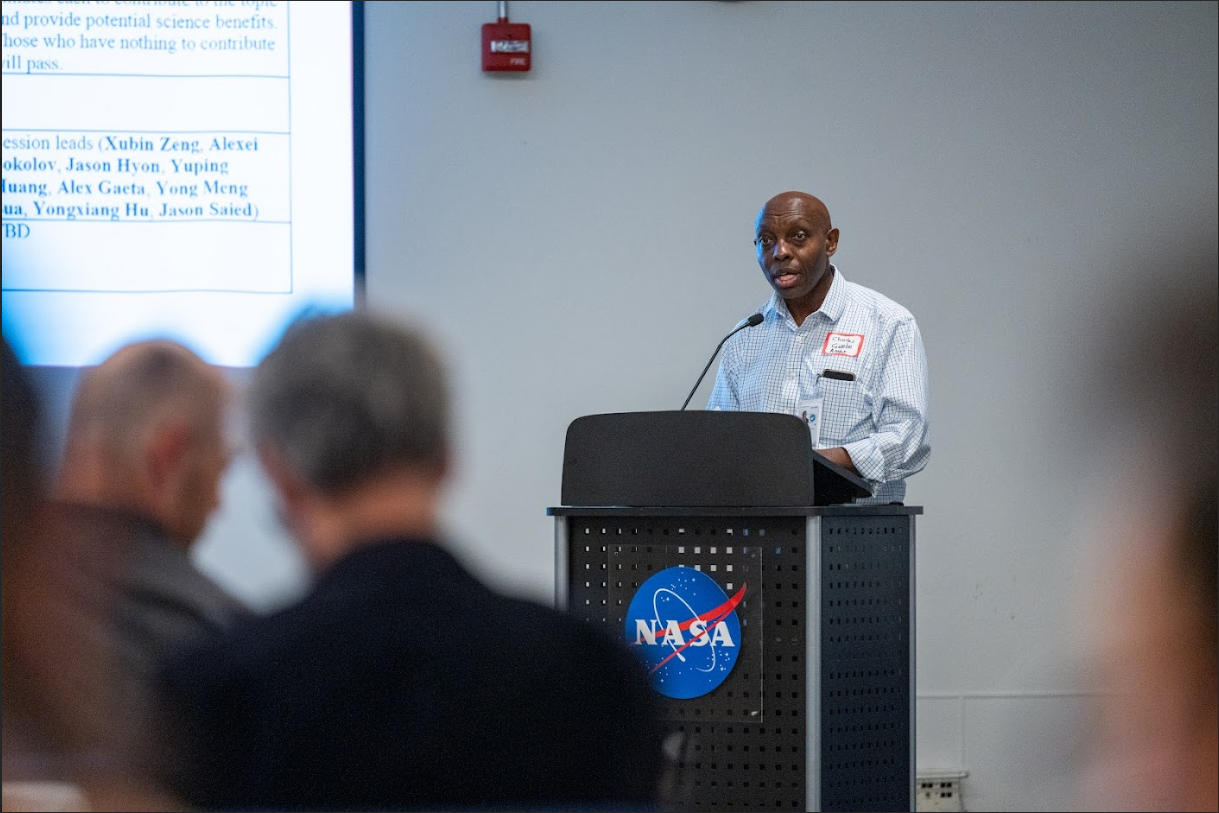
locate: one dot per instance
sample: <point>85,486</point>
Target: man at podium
<point>842,356</point>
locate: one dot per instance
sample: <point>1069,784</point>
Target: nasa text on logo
<point>686,630</point>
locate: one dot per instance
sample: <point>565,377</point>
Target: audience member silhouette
<point>400,681</point>
<point>1153,653</point>
<point>60,721</point>
<point>140,477</point>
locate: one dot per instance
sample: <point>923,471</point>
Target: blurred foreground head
<point>349,414</point>
<point>21,493</point>
<point>22,474</point>
<point>147,435</point>
<point>1153,608</point>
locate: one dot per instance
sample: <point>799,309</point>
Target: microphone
<point>754,319</point>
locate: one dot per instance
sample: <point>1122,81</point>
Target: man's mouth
<point>785,279</point>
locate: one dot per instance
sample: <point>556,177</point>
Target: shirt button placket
<point>795,357</point>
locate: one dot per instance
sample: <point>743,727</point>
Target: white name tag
<point>809,411</point>
<point>842,344</point>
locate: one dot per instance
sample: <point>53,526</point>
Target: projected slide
<point>174,168</point>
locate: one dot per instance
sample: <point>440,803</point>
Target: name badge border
<point>825,347</point>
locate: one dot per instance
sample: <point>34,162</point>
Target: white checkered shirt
<point>880,418</point>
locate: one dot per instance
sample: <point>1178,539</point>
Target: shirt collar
<point>832,308</point>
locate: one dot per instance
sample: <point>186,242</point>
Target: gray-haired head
<point>347,397</point>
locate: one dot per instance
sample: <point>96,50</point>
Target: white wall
<point>578,239</point>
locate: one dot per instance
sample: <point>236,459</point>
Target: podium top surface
<point>736,511</point>
<point>726,459</point>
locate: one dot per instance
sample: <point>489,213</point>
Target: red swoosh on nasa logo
<point>721,612</point>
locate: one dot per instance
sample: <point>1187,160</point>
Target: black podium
<point>816,712</point>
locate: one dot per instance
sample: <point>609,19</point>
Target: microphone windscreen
<point>755,319</point>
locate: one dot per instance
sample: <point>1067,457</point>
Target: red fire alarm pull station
<point>506,46</point>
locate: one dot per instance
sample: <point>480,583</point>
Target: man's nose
<point>780,251</point>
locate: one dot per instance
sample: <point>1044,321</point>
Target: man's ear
<point>285,481</point>
<point>167,448</point>
<point>831,241</point>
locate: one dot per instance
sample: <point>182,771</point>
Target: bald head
<point>794,240</point>
<point>798,203</point>
<point>141,385</point>
<point>146,433</point>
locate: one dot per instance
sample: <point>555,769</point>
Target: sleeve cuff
<point>868,459</point>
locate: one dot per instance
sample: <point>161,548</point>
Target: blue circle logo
<point>685,628</point>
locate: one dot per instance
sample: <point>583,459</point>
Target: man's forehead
<point>788,214</point>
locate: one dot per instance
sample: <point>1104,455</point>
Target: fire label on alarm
<point>509,47</point>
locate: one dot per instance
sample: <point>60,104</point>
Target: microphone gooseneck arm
<point>754,319</point>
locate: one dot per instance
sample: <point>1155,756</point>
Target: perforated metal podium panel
<point>817,712</point>
<point>866,664</point>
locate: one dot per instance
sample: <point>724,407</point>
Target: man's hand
<point>839,455</point>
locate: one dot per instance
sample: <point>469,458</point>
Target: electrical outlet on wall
<point>939,791</point>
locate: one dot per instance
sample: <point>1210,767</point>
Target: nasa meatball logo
<point>686,629</point>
